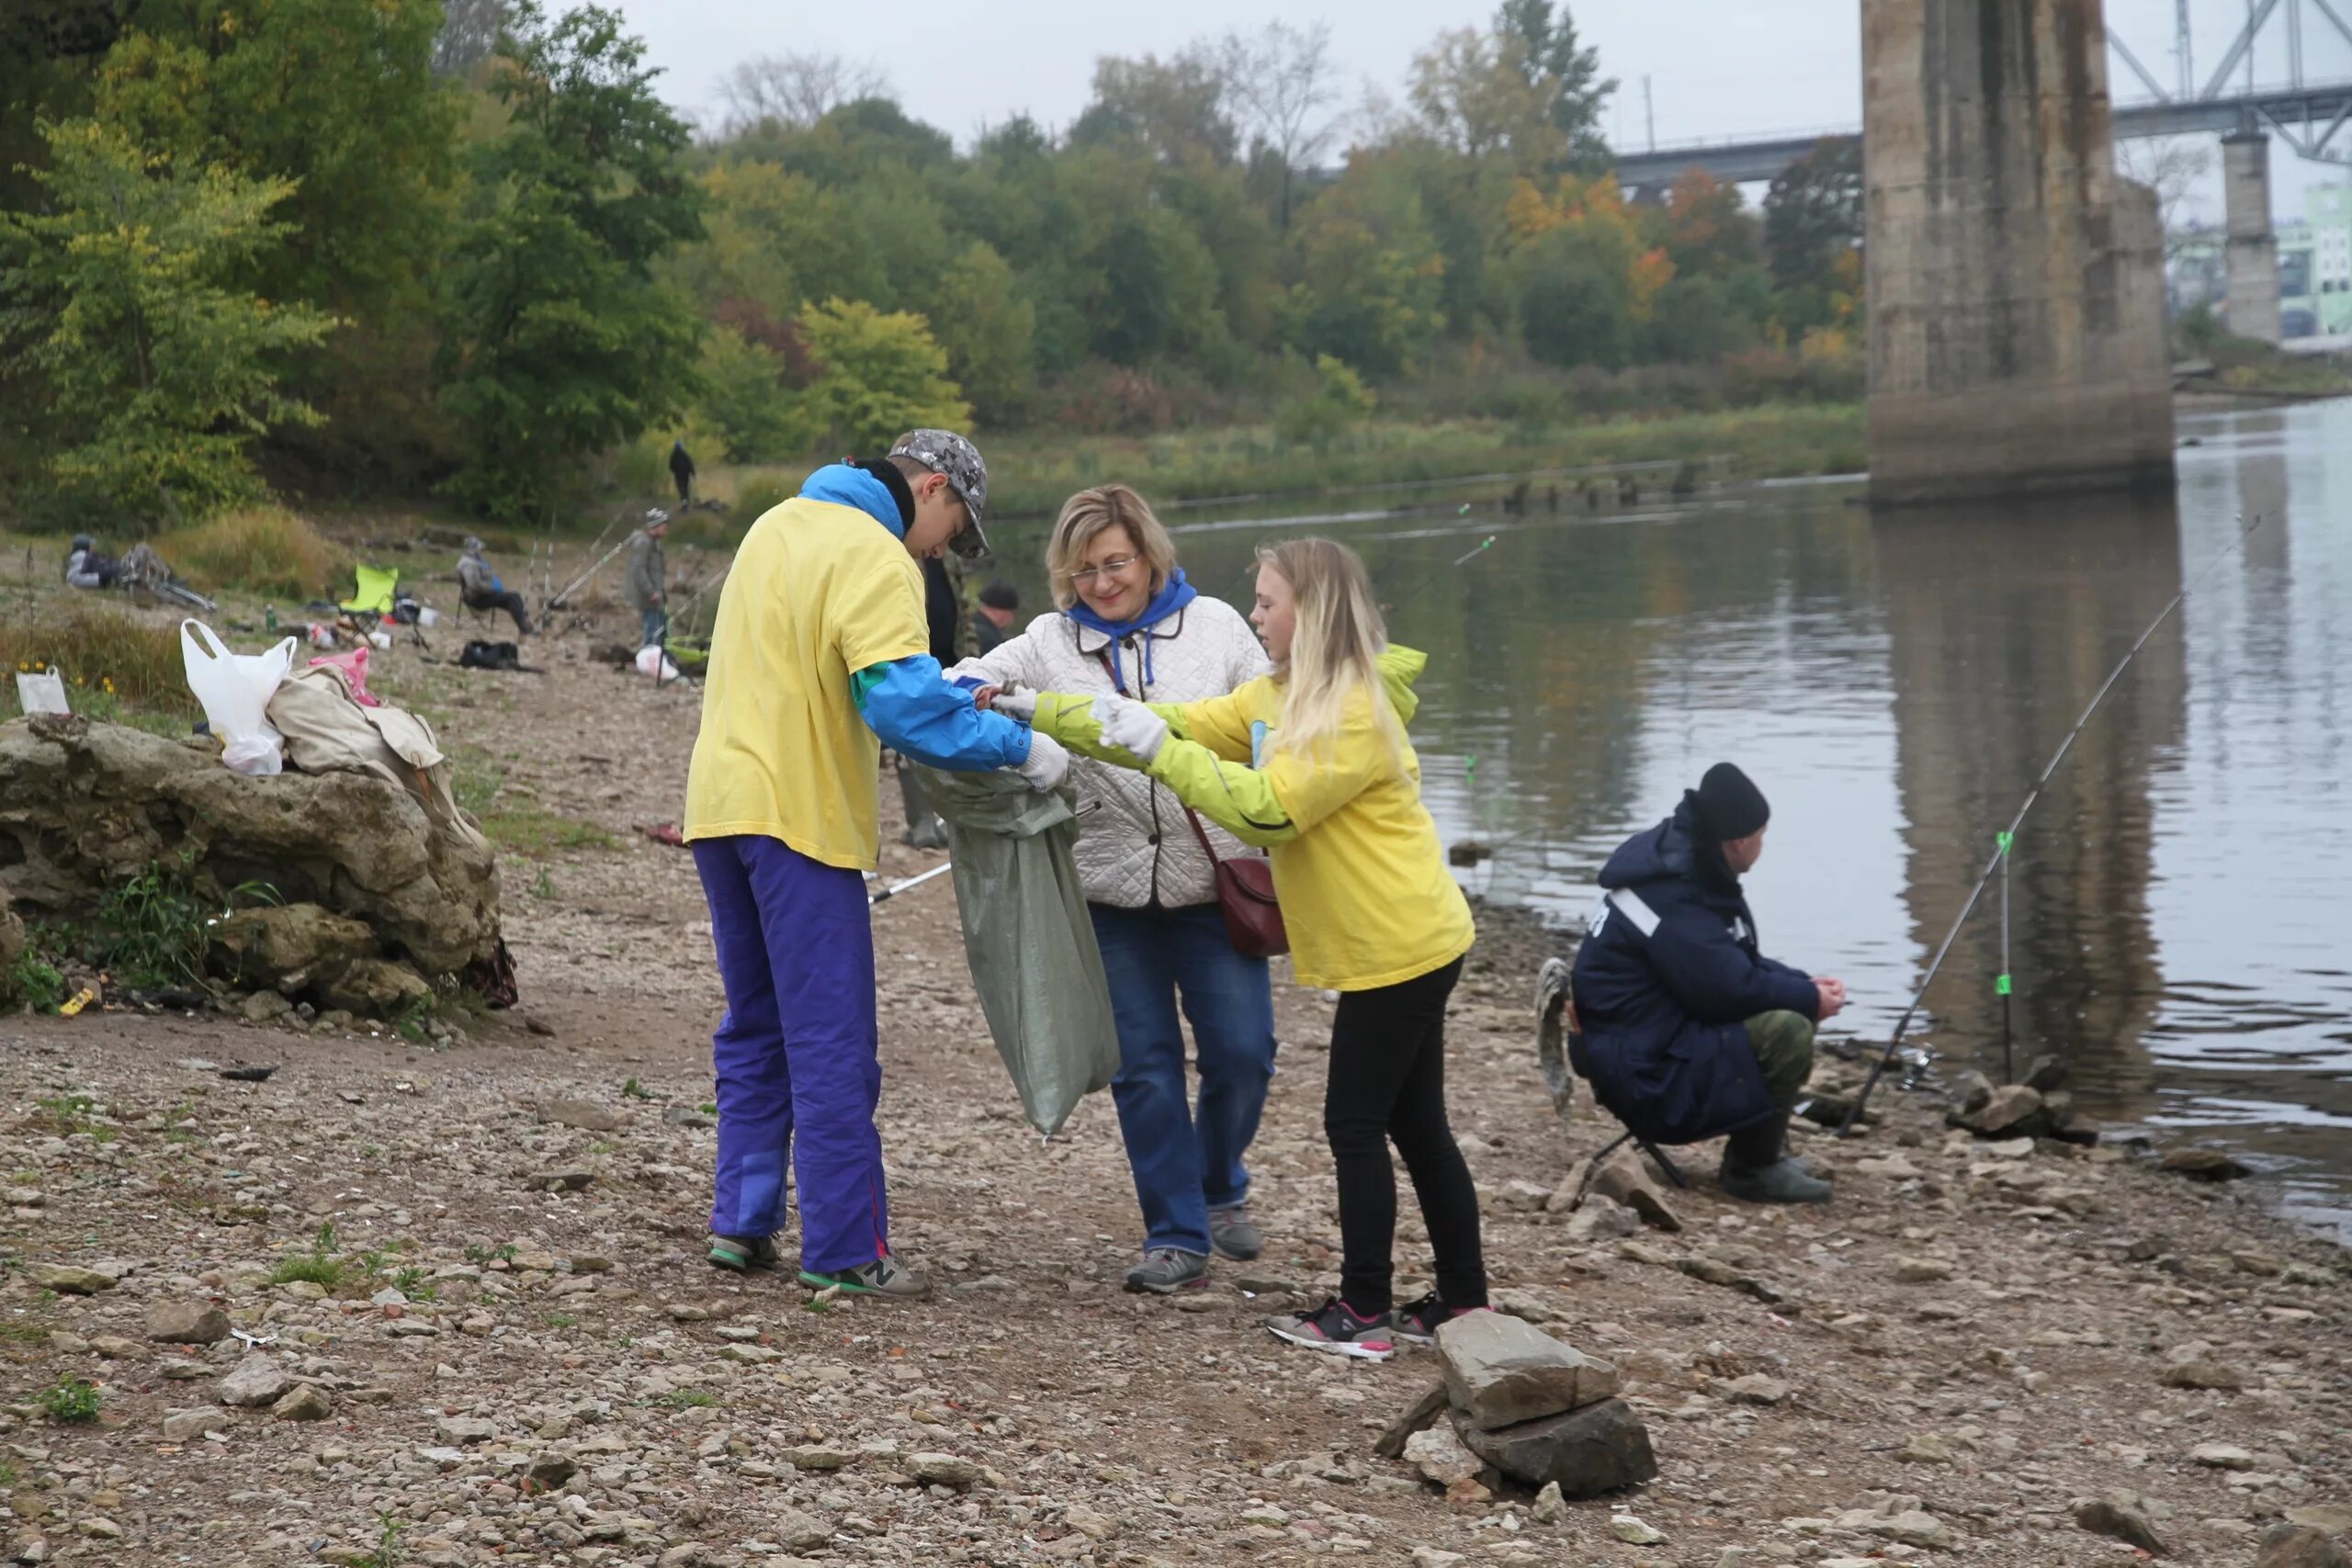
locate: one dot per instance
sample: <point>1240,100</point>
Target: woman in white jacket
<point>1130,625</point>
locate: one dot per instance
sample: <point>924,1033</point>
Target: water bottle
<point>269,618</point>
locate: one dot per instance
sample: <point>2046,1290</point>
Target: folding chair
<point>1556,1031</point>
<point>374,596</point>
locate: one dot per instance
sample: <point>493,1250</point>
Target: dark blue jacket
<point>1664,983</point>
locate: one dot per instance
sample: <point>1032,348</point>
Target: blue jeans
<point>657,626</point>
<point>1186,1163</point>
<point>798,1072</point>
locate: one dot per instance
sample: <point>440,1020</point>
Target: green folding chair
<point>374,594</point>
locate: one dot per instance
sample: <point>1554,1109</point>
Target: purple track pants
<point>795,1058</point>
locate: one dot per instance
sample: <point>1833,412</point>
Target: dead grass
<point>101,652</point>
<point>262,549</point>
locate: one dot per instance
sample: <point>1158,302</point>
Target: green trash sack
<point>1028,937</point>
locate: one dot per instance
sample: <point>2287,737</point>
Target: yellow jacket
<point>1362,877</point>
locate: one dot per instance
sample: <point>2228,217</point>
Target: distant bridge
<point>2307,118</point>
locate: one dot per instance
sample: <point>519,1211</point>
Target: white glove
<point>1130,726</point>
<point>1021,706</point>
<point>1046,765</point>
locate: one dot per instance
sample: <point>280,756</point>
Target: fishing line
<point>2004,841</point>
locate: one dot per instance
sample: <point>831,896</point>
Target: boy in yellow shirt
<point>819,657</point>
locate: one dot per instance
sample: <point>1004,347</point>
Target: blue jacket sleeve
<point>911,705</point>
<point>1716,980</point>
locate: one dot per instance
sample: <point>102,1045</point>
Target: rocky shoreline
<point>400,1304</point>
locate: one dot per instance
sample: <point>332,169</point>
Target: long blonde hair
<point>1090,512</point>
<point>1335,647</point>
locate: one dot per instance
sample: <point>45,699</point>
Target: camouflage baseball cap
<point>945,452</point>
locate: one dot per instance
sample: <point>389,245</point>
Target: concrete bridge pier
<point>2016,284</point>
<point>2252,254</point>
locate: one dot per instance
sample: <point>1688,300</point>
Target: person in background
<point>1689,1032</point>
<point>1129,622</point>
<point>682,471</point>
<point>479,588</point>
<point>1313,761</point>
<point>817,652</point>
<point>86,567</point>
<point>993,622</point>
<point>647,586</point>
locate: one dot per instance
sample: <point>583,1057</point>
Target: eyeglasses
<point>1085,576</point>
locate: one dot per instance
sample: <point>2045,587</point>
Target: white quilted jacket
<point>1138,847</point>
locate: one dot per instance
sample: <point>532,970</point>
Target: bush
<point>100,649</point>
<point>262,549</point>
<point>32,981</point>
<point>756,495</point>
<point>70,1402</point>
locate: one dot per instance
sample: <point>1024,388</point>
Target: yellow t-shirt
<point>1365,893</point>
<point>818,592</point>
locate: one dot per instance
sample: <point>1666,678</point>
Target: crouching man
<point>1690,1033</point>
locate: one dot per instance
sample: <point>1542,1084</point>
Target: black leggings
<point>1388,1083</point>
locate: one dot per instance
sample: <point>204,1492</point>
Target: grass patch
<point>262,549</point>
<point>1042,467</point>
<point>73,1402</point>
<point>531,830</point>
<point>102,653</point>
<point>320,1266</point>
<point>691,1399</point>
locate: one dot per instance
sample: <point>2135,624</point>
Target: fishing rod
<point>577,583</point>
<point>898,887</point>
<point>2004,841</point>
<point>1481,547</point>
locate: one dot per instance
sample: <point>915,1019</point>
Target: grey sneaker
<point>1167,1270</point>
<point>1234,1234</point>
<point>883,1277</point>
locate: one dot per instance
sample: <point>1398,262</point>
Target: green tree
<point>989,331</point>
<point>1812,213</point>
<point>1561,72</point>
<point>748,398</point>
<point>337,97</point>
<point>1576,303</point>
<point>1481,95</point>
<point>883,375</point>
<point>1340,400</point>
<point>161,369</point>
<point>1370,273</point>
<point>1174,109</point>
<point>560,341</point>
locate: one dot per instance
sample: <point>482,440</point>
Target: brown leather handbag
<point>1245,893</point>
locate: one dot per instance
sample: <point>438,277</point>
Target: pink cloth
<point>352,667</point>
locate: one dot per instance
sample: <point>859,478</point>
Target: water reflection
<point>1895,684</point>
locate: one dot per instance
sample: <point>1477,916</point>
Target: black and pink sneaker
<point>1417,1322</point>
<point>1336,1330</point>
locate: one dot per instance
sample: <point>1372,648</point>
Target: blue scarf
<point>1173,595</point>
<point>845,486</point>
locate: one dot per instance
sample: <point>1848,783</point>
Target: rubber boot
<point>1756,1168</point>
<point>924,830</point>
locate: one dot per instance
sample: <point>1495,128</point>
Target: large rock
<point>2290,1545</point>
<point>257,1381</point>
<point>187,1323</point>
<point>1622,1179</point>
<point>1500,1371</point>
<point>92,804</point>
<point>12,930</point>
<point>374,987</point>
<point>2012,1111</point>
<point>1439,1455</point>
<point>69,1278</point>
<point>1601,1447</point>
<point>2120,1519</point>
<point>289,946</point>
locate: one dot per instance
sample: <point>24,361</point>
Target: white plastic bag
<point>235,689</point>
<point>42,692</point>
<point>651,660</point>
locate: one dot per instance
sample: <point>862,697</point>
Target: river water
<point>2179,930</point>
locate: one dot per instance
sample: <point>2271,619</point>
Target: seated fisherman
<point>479,588</point>
<point>1690,1033</point>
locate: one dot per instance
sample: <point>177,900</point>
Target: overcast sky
<point>1716,68</point>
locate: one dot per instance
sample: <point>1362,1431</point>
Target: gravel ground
<point>513,1353</point>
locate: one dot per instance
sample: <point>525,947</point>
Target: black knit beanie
<point>1730,806</point>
